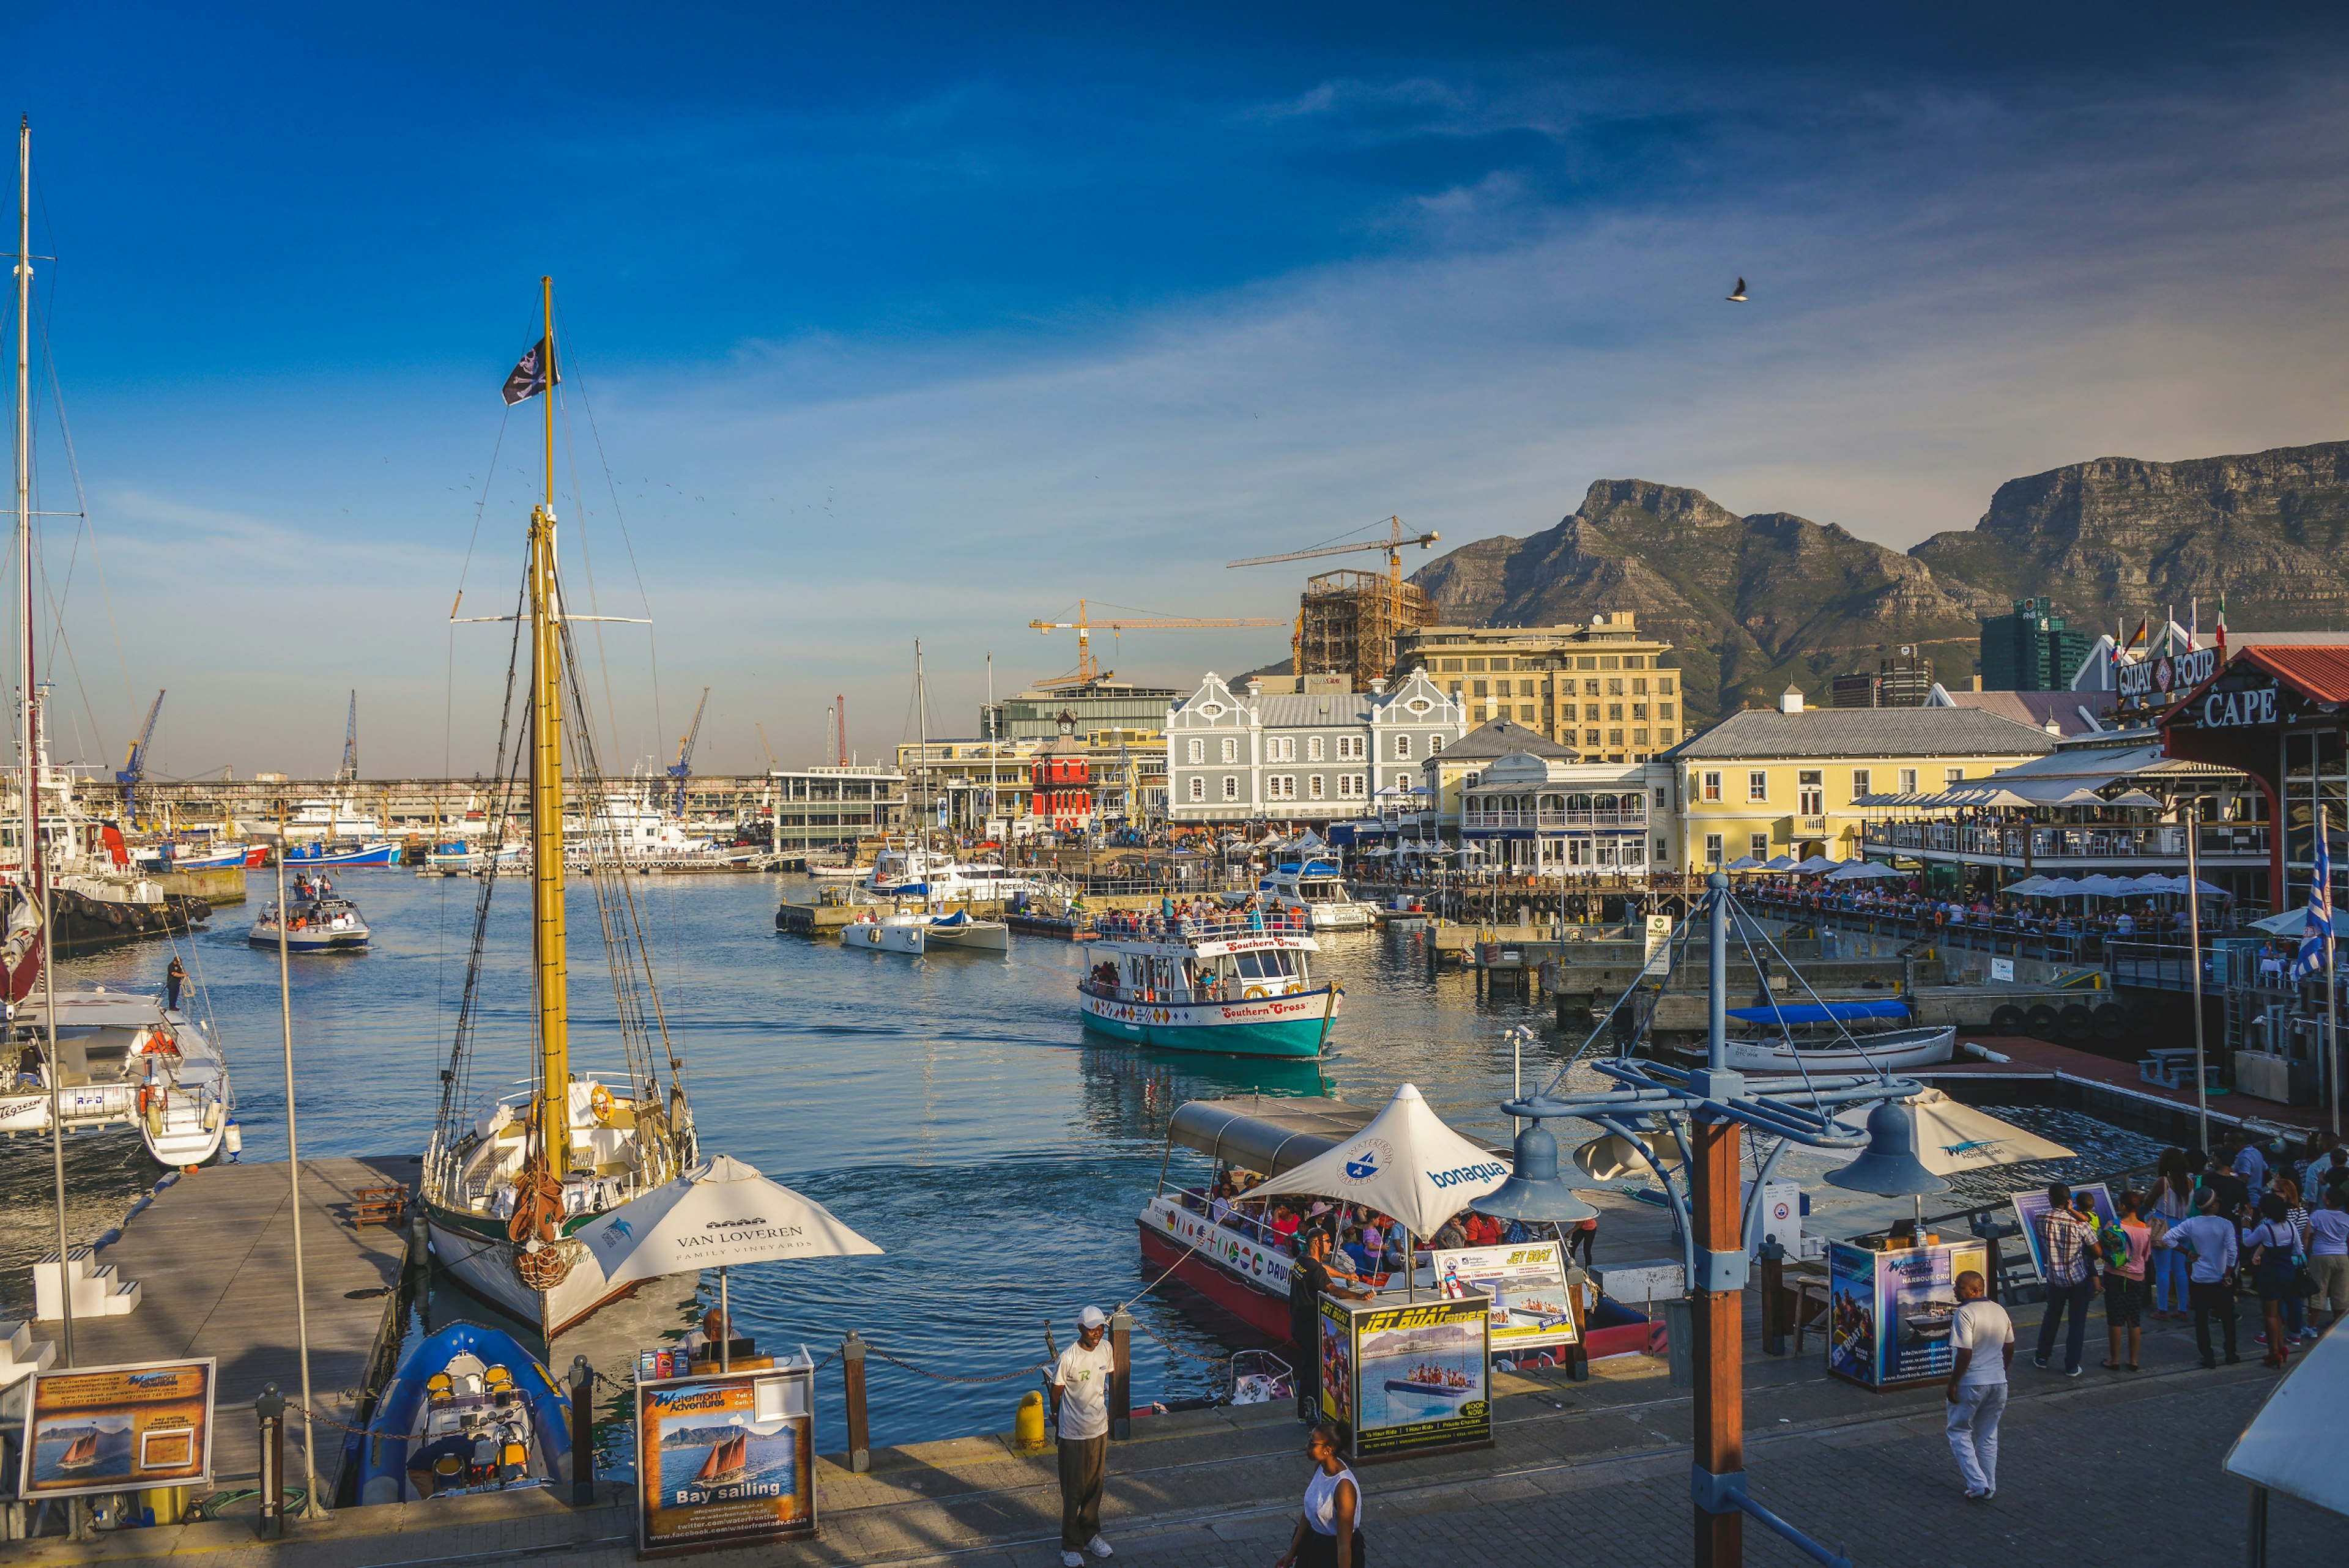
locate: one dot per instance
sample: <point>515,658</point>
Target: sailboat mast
<point>546,800</point>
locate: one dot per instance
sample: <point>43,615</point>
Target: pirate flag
<point>529,377</point>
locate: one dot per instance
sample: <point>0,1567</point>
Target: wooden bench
<point>378,1206</point>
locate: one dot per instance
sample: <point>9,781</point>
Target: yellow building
<point>1766,782</point>
<point>1601,689</point>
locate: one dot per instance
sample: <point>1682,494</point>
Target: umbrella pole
<point>1410,1267</point>
<point>726,1324</point>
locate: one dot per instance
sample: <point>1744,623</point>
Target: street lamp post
<point>1717,1232</point>
<point>2189,818</point>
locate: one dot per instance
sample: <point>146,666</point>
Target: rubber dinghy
<point>470,1410</point>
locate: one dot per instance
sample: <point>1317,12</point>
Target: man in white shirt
<point>1982,1335</point>
<point>2210,1238</point>
<point>1081,1383</point>
<point>2328,1255</point>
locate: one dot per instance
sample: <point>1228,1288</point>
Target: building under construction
<point>1348,622</point>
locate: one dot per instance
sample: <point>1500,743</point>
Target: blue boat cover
<point>1821,1012</point>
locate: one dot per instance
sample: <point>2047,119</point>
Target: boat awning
<point>1821,1012</point>
<point>1271,1133</point>
<point>97,1009</point>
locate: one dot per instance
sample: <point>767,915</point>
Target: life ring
<point>1254,992</point>
<point>599,1101</point>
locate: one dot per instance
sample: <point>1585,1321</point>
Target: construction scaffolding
<point>1348,622</point>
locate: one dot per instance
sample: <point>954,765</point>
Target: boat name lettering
<point>773,1232</point>
<point>688,1496</point>
<point>1411,1318</point>
<point>1459,1175</point>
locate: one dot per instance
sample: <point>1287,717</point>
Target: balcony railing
<point>2057,844</point>
<point>1473,817</point>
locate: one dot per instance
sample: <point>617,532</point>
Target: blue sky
<point>907,322</point>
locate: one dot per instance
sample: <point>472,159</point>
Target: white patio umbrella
<point>717,1215</point>
<point>1952,1136</point>
<point>2290,1446</point>
<point>1779,864</point>
<point>1862,871</point>
<point>2290,923</point>
<point>2028,887</point>
<point>1741,863</point>
<point>1406,1163</point>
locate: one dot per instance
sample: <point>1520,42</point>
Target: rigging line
<point>595,604</point>
<point>81,496</point>
<point>1873,1066</point>
<point>56,615</point>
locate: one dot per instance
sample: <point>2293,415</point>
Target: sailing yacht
<point>506,1183</point>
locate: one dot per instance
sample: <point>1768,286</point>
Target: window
<point>1477,664</point>
<point>1758,845</point>
<point>1403,747</point>
<point>1615,713</point>
<point>1606,661</point>
<point>1314,788</point>
<point>1664,737</point>
<point>1953,776</point>
<point>1198,786</point>
<point>1198,752</point>
<point>1350,786</point>
<point>1483,688</point>
<point>1434,744</point>
<point>1662,850</point>
<point>1757,786</point>
<point>1710,789</point>
<point>1859,782</point>
<point>1455,690</point>
<point>1638,737</point>
<point>1810,793</point>
<point>1640,687</point>
<point>1659,796</point>
<point>1281,749</point>
<point>1525,712</point>
<point>1713,849</point>
<point>1664,686</point>
<point>1451,667</point>
<point>1636,662</point>
<point>1664,711</point>
<point>1231,788</point>
<point>1280,787</point>
<point>1907,781</point>
<point>1590,688</point>
<point>1313,749</point>
<point>1525,688</point>
<point>1614,738</point>
<point>1349,748</point>
<point>1638,711</point>
<point>1591,713</point>
<point>1590,736</point>
<point>1231,748</point>
<point>1615,687</point>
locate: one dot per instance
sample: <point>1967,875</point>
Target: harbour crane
<point>772,763</point>
<point>678,769</point>
<point>133,771</point>
<point>1393,545</point>
<point>1087,674</point>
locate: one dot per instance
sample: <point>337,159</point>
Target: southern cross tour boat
<point>1238,984</point>
<point>507,1183</point>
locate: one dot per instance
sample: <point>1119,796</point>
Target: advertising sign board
<point>118,1429</point>
<point>725,1459</point>
<point>1529,1314</point>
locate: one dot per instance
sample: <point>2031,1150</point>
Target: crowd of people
<point>2144,918</point>
<point>1178,919</point>
<point>1366,1246</point>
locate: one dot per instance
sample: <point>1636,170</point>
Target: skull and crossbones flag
<point>530,375</point>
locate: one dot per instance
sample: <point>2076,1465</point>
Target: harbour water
<point>949,1107</point>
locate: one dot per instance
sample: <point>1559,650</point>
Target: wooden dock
<point>213,1255</point>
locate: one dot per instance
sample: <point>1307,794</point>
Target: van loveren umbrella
<point>1406,1163</point>
<point>716,1215</point>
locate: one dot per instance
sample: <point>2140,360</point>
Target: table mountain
<point>1757,602</point>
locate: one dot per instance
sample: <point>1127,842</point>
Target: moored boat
<point>1224,983</point>
<point>900,931</point>
<point>127,1060</point>
<point>324,923</point>
<point>344,853</point>
<point>469,1410</point>
<point>1819,1037</point>
<point>1316,891</point>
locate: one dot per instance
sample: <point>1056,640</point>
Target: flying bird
<point>1737,294</point>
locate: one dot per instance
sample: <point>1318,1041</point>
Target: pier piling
<point>852,1375</point>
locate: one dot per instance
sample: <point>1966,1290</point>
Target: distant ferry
<point>1233,985</point>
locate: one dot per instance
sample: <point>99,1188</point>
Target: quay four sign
<point>2168,674</point>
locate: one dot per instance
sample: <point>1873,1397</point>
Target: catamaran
<point>507,1182</point>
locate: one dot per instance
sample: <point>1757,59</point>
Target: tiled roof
<point>1836,732</point>
<point>2033,707</point>
<point>2320,672</point>
<point>1500,738</point>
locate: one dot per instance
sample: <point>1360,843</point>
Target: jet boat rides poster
<point>118,1429</point>
<point>1419,1373</point>
<point>1531,1315</point>
<point>725,1459</point>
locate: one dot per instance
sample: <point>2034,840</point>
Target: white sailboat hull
<point>885,936</point>
<point>1896,1051</point>
<point>974,936</point>
<point>485,1267</point>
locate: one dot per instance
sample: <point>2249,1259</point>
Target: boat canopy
<point>1272,1133</point>
<point>1821,1012</point>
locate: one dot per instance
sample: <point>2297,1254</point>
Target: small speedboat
<point>1820,1037</point>
<point>322,922</point>
<point>470,1410</point>
<point>903,932</point>
<point>960,931</point>
<point>1431,1390</point>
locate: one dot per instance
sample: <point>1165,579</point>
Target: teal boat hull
<point>1294,1028</point>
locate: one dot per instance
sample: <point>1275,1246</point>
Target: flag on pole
<point>529,377</point>
<point>2316,936</point>
<point>2193,624</point>
<point>2222,628</point>
<point>2136,637</point>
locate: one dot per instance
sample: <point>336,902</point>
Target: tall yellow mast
<point>546,801</point>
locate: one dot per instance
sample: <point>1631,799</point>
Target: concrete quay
<point>2102,1469</point>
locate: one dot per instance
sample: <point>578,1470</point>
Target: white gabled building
<point>1322,754</point>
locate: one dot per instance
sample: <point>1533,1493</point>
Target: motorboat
<point>910,872</point>
<point>469,1411</point>
<point>344,853</point>
<point>322,923</point>
<point>1428,1390</point>
<point>217,857</point>
<point>899,931</point>
<point>1314,889</point>
<point>962,932</point>
<point>124,1059</point>
<point>1819,1038</point>
<point>1237,984</point>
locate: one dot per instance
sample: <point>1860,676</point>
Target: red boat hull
<point>1265,1312</point>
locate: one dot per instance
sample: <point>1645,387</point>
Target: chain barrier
<point>1210,1360</point>
<point>875,1350</point>
<point>293,1407</point>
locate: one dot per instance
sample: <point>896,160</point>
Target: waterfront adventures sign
<point>118,1429</point>
<point>726,1459</point>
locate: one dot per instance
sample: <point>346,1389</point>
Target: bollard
<point>582,1433</point>
<point>269,1406</point>
<point>1121,1376</point>
<point>852,1375</point>
<point>1028,1427</point>
<point>1774,1297</point>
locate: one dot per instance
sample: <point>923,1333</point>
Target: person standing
<point>2066,1243</point>
<point>2272,1250</point>
<point>173,978</point>
<point>2328,1257</point>
<point>1330,1534</point>
<point>1308,1282</point>
<point>2125,1285</point>
<point>2165,1203</point>
<point>1081,1381</point>
<point>2208,1238</point>
<point>1983,1336</point>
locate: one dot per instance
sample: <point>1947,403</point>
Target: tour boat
<point>1315,890</point>
<point>320,923</point>
<point>469,1410</point>
<point>506,1186</point>
<point>1829,1043</point>
<point>128,1061</point>
<point>1222,983</point>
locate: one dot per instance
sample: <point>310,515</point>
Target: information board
<point>118,1429</point>
<point>2031,1207</point>
<point>725,1459</point>
<point>1889,1312</point>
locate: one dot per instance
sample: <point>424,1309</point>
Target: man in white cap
<point>1081,1414</point>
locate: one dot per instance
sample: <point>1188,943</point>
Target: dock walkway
<point>214,1256</point>
<point>1581,1471</point>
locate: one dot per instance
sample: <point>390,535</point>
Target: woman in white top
<point>1328,1536</point>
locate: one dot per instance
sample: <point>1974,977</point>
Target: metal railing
<point>2057,844</point>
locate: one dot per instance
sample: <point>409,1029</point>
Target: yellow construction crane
<point>1392,544</point>
<point>1087,675</point>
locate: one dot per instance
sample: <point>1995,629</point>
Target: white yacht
<point>125,1059</point>
<point>903,870</point>
<point>337,820</point>
<point>1315,890</point>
